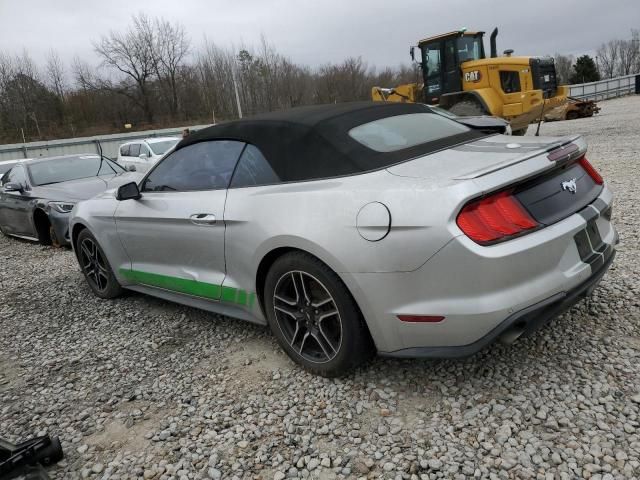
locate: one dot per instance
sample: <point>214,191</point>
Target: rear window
<point>395,133</point>
<point>160,148</point>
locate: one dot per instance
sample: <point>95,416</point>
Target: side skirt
<point>23,237</point>
<point>221,308</point>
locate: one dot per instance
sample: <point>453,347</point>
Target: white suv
<point>140,155</point>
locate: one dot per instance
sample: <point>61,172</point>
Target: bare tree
<point>629,51</point>
<point>635,40</point>
<point>55,74</point>
<point>608,57</point>
<point>214,67</point>
<point>563,67</point>
<point>169,51</point>
<point>131,54</point>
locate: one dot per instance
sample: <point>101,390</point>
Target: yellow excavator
<point>457,76</point>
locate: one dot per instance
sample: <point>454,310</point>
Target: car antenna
<point>544,101</point>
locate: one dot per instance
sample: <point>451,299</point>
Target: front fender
<point>98,215</point>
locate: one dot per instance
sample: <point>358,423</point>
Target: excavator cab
<point>442,56</point>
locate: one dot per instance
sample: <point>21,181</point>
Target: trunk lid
<point>542,173</point>
<point>478,158</point>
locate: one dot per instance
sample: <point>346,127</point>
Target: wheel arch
<point>75,231</point>
<point>272,255</point>
<point>42,224</point>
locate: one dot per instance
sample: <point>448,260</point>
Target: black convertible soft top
<point>313,142</point>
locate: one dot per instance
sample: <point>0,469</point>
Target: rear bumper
<point>519,324</point>
<point>484,291</point>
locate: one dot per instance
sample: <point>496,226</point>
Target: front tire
<point>95,267</point>
<point>314,317</point>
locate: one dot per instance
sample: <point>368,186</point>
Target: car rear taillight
<point>495,218</point>
<point>590,169</point>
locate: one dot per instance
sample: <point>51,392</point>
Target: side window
<point>134,149</point>
<point>124,150</point>
<point>200,166</point>
<point>510,82</point>
<point>253,169</point>
<point>144,149</point>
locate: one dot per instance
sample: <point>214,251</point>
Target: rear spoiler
<point>485,123</point>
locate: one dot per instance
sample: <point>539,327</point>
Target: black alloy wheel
<point>93,264</point>
<point>313,315</point>
<point>307,316</point>
<point>95,267</point>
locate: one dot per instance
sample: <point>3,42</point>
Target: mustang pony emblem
<point>570,185</point>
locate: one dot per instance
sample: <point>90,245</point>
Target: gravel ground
<point>138,387</point>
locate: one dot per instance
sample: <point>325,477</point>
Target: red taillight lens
<point>590,169</point>
<point>494,218</point>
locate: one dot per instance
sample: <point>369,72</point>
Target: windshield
<point>160,148</point>
<point>469,48</point>
<point>71,168</point>
<point>404,131</point>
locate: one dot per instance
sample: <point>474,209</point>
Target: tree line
<point>614,58</point>
<point>151,75</point>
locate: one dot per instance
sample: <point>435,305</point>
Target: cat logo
<point>472,76</point>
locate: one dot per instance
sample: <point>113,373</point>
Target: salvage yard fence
<point>604,89</point>
<point>108,143</point>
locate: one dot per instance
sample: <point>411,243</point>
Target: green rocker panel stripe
<point>192,287</point>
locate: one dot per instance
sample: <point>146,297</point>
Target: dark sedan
<point>37,195</point>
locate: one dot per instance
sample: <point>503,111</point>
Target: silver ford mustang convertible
<point>359,228</point>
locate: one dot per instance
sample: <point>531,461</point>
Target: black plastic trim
<point>588,213</point>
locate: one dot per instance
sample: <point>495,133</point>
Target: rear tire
<point>313,316</point>
<point>95,267</point>
<point>468,108</point>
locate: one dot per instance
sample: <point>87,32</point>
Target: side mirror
<point>13,187</point>
<point>131,168</point>
<point>143,156</point>
<point>128,191</point>
<point>412,53</point>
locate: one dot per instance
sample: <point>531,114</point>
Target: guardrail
<point>604,89</point>
<point>69,146</point>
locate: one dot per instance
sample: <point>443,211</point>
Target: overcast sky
<point>320,31</point>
